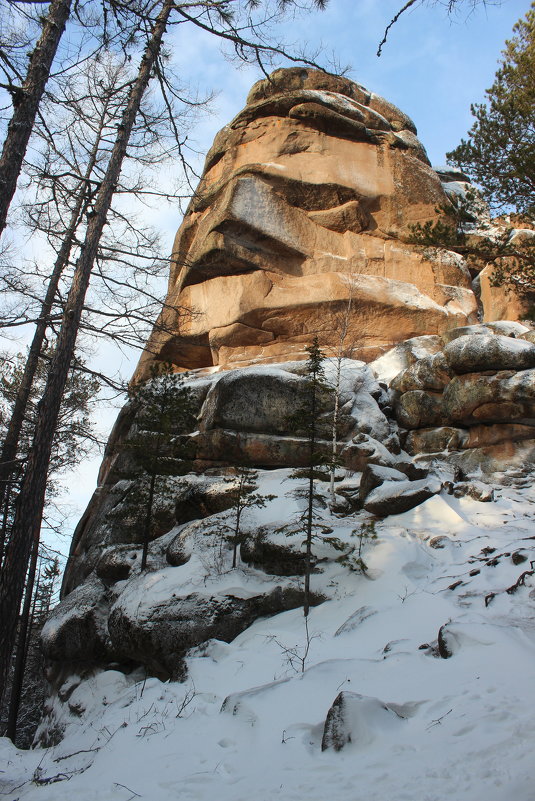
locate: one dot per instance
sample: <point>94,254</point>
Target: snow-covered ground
<point>248,722</point>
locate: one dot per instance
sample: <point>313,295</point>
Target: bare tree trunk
<point>30,502</point>
<point>334,444</point>
<point>310,507</point>
<point>26,102</point>
<point>10,445</point>
<point>21,650</point>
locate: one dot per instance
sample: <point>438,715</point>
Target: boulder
<point>504,396</point>
<point>201,496</point>
<point>480,436</point>
<point>358,720</point>
<point>504,327</point>
<point>365,450</point>
<point>180,547</point>
<point>396,497</point>
<point>507,327</point>
<point>375,475</point>
<point>116,563</point>
<point>403,355</point>
<point>474,489</point>
<point>253,401</point>
<point>492,459</point>
<point>419,409</point>
<point>475,353</point>
<point>274,553</point>
<point>156,629</point>
<point>431,372</point>
<point>435,440</point>
<point>76,630</point>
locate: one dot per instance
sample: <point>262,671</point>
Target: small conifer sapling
<point>165,413</point>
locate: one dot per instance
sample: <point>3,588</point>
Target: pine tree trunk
<point>236,534</point>
<point>10,446</point>
<point>4,530</point>
<point>21,650</point>
<point>30,503</point>
<point>26,106</point>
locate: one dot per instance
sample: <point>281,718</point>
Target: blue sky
<point>433,66</point>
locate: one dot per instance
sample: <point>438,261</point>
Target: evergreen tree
<point>164,414</point>
<point>73,438</point>
<point>500,152</point>
<point>511,254</point>
<point>307,420</point>
<point>28,685</point>
<point>72,441</point>
<point>244,495</point>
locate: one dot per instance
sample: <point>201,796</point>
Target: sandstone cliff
<point>304,209</point>
<point>298,229</point>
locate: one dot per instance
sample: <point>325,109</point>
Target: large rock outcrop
<point>476,394</point>
<point>299,226</point>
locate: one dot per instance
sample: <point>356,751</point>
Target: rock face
<point>300,223</point>
<point>298,229</point>
<point>477,393</point>
<point>441,407</point>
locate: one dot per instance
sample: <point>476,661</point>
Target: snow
<point>273,164</point>
<point>457,188</point>
<point>386,367</point>
<point>248,722</point>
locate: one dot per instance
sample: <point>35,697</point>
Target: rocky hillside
<point>414,680</point>
<point>423,419</point>
<point>411,672</point>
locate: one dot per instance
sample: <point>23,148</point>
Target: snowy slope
<point>248,723</point>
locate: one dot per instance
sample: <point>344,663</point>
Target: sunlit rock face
<point>299,227</point>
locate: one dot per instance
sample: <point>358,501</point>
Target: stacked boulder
<point>474,391</point>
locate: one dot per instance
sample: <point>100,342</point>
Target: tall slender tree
<point>26,99</point>
<point>70,445</point>
<point>307,420</point>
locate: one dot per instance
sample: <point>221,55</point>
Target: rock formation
<point>297,229</point>
<point>300,222</point>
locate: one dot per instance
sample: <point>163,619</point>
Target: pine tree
<point>27,690</point>
<point>244,495</point>
<point>26,102</point>
<point>307,420</point>
<point>500,152</point>
<point>512,256</point>
<point>73,438</point>
<point>164,415</point>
